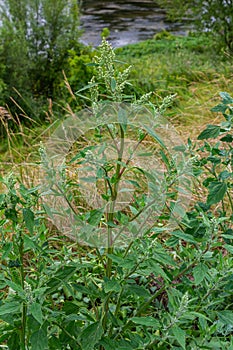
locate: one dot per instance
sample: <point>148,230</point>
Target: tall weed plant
<point>139,264</point>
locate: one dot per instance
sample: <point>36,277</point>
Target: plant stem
<point>24,311</point>
<point>110,217</point>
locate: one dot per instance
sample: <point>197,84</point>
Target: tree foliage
<point>35,38</point>
<point>214,16</point>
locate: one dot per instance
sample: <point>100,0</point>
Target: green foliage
<point>213,16</point>
<point>163,35</point>
<point>105,33</point>
<point>218,160</point>
<point>172,63</point>
<point>164,290</point>
<point>35,39</point>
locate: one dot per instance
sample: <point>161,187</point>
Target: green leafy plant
<point>159,288</point>
<point>212,16</point>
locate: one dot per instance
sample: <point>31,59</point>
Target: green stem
<point>230,200</point>
<point>110,217</point>
<point>114,193</point>
<point>24,311</point>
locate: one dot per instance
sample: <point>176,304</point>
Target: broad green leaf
<point>217,191</point>
<point>13,341</point>
<point>59,277</point>
<point>91,335</point>
<point>152,267</point>
<point>54,343</point>
<point>29,219</point>
<point>108,344</point>
<point>6,249</point>
<point>39,340</point>
<point>227,99</point>
<point>211,131</point>
<point>225,175</point>
<point>138,290</point>
<point>126,263</point>
<point>221,107</point>
<point>186,237</point>
<point>36,311</point>
<point>227,138</point>
<point>9,307</point>
<point>199,273</point>
<point>180,335</point>
<point>16,287</point>
<point>146,321</point>
<point>95,216</point>
<point>163,258</point>
<point>29,243</point>
<point>111,286</point>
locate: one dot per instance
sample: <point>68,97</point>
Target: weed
<point>162,286</point>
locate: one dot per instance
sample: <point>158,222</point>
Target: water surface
<point>128,21</point>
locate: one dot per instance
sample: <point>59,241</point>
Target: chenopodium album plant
<point>135,265</point>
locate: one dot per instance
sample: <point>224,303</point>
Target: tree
<point>213,16</point>
<point>36,36</point>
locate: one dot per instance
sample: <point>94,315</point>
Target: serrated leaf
<point>211,131</point>
<point>95,216</point>
<point>91,335</point>
<point>217,191</point>
<point>199,273</point>
<point>111,286</point>
<point>146,321</point>
<point>180,335</point>
<point>36,312</point>
<point>9,308</point>
<point>39,340</point>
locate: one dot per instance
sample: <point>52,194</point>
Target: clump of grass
<point>180,65</point>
